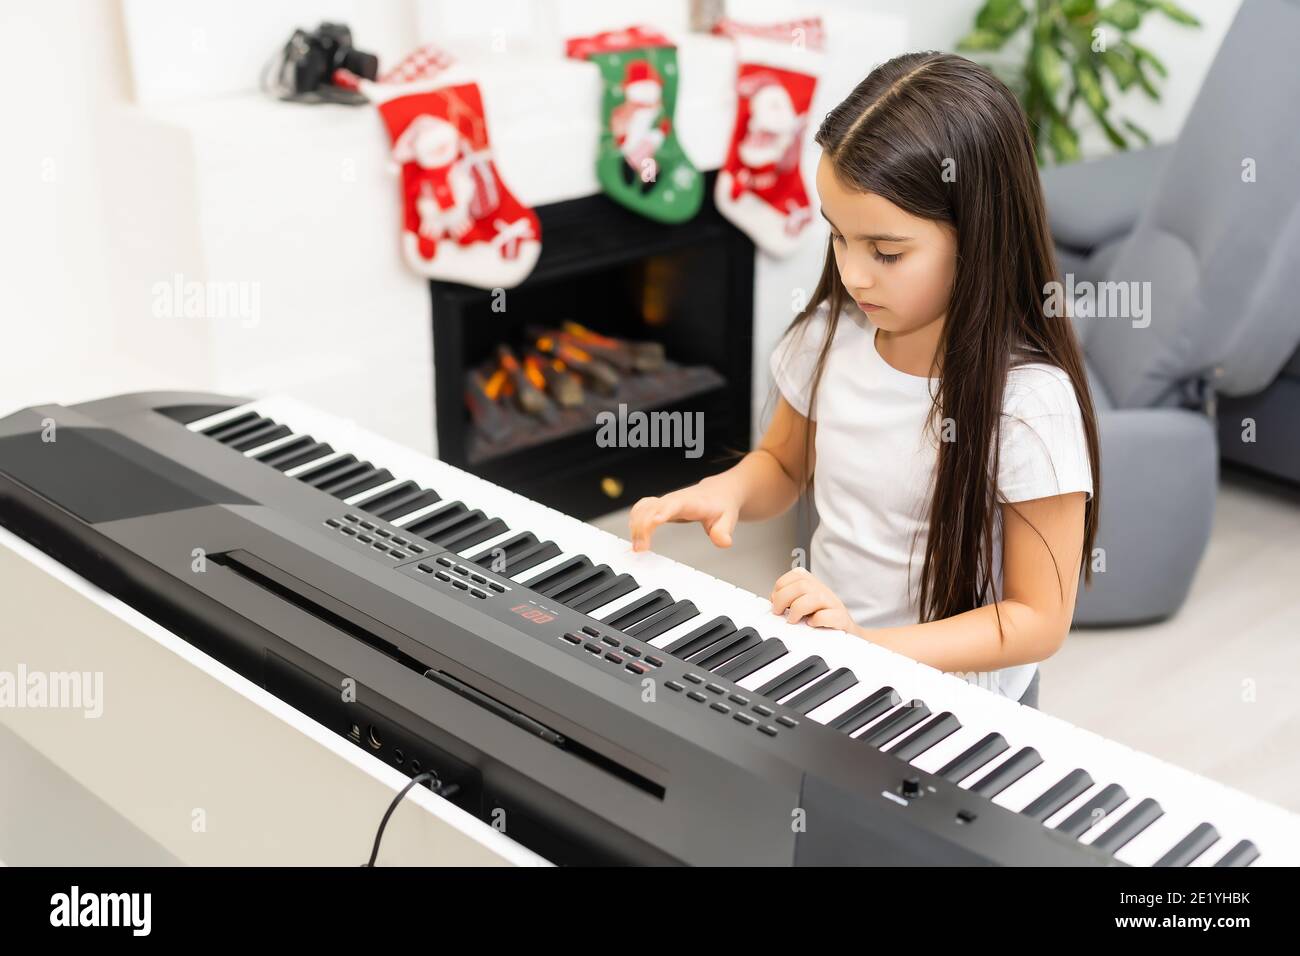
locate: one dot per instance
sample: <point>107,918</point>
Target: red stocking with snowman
<point>459,221</point>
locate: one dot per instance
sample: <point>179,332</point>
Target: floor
<point>1216,689</point>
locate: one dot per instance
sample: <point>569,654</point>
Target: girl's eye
<point>881,257</point>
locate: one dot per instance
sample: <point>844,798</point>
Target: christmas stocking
<point>760,187</point>
<point>459,221</point>
<point>639,162</point>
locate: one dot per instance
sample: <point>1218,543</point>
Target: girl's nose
<point>857,278</point>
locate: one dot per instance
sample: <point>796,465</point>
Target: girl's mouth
<point>868,306</point>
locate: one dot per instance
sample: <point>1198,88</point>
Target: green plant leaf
<point>1089,84</point>
<point>1176,13</point>
<point>1142,55</point>
<point>1050,67</point>
<point>981,40</point>
<point>1001,16</point>
<point>1125,14</point>
<point>1078,8</point>
<point>1064,142</point>
<point>1138,131</point>
<point>1145,82</point>
<point>1125,72</point>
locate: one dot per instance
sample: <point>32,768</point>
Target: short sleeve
<point>794,359</point>
<point>1043,448</point>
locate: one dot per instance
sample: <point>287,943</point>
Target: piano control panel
<point>602,646</point>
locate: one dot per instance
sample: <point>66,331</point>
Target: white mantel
<point>303,201</point>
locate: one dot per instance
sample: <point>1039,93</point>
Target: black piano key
<point>437,520</point>
<point>926,736</point>
<point>562,572</point>
<point>728,649</point>
<point>973,758</point>
<point>1008,772</point>
<point>794,679</point>
<point>703,636</point>
<point>866,710</point>
<point>1130,825</point>
<point>389,496</point>
<point>267,433</point>
<point>301,457</point>
<point>581,583</point>
<point>526,559</point>
<point>663,622</point>
<point>232,424</point>
<point>900,721</point>
<point>593,599</point>
<point>469,537</point>
<point>512,545</point>
<point>374,479</point>
<point>272,455</point>
<point>399,501</point>
<point>327,470</point>
<point>1190,847</point>
<point>1094,810</point>
<point>580,576</point>
<point>754,659</point>
<point>449,524</point>
<point>347,475</point>
<point>832,685</point>
<point>640,609</point>
<point>1058,795</point>
<point>407,505</point>
<point>1243,854</point>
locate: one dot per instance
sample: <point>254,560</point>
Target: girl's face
<point>898,268</point>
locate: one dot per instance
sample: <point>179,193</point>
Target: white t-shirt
<point>876,459</point>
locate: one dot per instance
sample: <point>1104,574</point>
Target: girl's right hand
<point>712,504</point>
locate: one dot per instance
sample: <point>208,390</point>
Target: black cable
<point>418,778</point>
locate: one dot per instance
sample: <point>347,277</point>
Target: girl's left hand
<point>801,597</point>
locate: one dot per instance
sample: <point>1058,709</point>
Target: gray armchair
<point>1212,223</point>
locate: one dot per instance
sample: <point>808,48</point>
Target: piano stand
<point>163,776</point>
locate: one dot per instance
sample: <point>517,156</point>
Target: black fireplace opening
<point>685,289</point>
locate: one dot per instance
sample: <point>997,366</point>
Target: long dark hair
<point>895,135</point>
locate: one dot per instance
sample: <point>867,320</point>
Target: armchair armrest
<point>1093,202</point>
<point>1160,470</point>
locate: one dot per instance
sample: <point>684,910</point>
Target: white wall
<point>73,326</point>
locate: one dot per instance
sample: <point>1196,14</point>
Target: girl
<point>941,415</point>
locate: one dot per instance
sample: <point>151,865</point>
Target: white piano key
<point>371,492</point>
<point>954,745</point>
<point>681,630</point>
<point>411,517</point>
<point>270,445</point>
<point>486,547</point>
<point>297,470</point>
<point>840,704</point>
<point>537,570</point>
<point>220,417</point>
<point>1158,839</point>
<point>617,605</point>
<point>1110,819</point>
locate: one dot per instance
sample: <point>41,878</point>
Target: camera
<point>304,68</point>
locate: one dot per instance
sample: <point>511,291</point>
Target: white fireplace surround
<point>216,183</point>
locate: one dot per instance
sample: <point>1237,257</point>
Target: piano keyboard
<point>1141,810</point>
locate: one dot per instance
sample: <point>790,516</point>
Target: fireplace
<point>687,287</point>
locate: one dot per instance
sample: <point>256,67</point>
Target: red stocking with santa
<point>760,187</point>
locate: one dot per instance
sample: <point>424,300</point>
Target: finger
<point>802,607</point>
<point>643,521</point>
<point>795,574</point>
<point>826,617</point>
<point>721,528</point>
<point>782,597</point>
